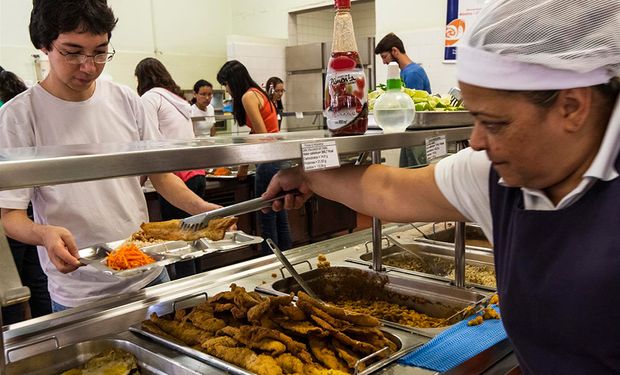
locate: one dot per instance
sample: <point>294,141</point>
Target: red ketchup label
<point>346,109</point>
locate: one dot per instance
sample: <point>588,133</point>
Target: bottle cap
<point>342,4</point>
<point>393,70</point>
<point>393,76</point>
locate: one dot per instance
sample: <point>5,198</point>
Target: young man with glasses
<point>71,106</point>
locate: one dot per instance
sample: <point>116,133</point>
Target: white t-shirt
<point>210,112</point>
<point>94,211</point>
<point>464,180</point>
<point>170,111</point>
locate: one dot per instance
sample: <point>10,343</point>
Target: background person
<point>275,91</point>
<point>541,178</point>
<point>252,107</point>
<point>165,105</point>
<point>201,104</point>
<point>71,106</point>
<point>391,48</point>
<point>10,86</point>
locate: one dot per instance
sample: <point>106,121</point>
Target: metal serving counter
<point>27,167</point>
<point>113,316</point>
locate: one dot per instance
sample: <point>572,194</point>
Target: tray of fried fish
<point>245,333</point>
<point>216,237</point>
<point>165,244</point>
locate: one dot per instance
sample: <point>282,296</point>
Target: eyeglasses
<point>280,91</point>
<point>78,58</point>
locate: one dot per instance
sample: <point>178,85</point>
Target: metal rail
<point>25,167</point>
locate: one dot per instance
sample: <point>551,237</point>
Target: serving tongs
<point>200,221</point>
<point>468,310</point>
<point>289,267</point>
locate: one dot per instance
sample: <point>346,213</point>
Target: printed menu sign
<point>317,156</point>
<point>435,147</point>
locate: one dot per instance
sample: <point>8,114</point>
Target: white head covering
<point>548,45</point>
<point>542,45</point>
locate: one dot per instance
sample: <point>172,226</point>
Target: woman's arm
<point>252,104</point>
<point>393,194</point>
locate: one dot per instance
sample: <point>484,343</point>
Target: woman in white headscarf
<point>541,177</point>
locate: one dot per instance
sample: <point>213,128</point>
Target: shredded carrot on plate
<point>128,256</point>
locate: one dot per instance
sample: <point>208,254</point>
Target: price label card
<point>435,147</point>
<point>299,115</point>
<point>317,156</point>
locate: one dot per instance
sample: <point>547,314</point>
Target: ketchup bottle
<point>345,107</point>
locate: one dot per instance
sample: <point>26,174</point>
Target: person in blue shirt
<point>391,48</point>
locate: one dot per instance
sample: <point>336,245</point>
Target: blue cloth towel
<point>456,345</point>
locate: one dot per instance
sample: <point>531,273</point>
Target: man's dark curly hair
<point>49,18</point>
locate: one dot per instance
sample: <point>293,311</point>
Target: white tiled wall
<point>263,59</point>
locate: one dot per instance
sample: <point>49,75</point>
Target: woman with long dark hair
<point>275,91</point>
<point>252,107</point>
<point>164,104</point>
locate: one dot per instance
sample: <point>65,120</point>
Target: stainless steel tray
<point>405,343</point>
<point>435,299</point>
<point>231,176</point>
<point>231,241</point>
<point>441,119</point>
<point>437,262</point>
<point>166,252</point>
<point>474,237</point>
<point>74,356</point>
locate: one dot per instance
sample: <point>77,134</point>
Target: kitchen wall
<point>189,36</point>
<point>192,37</point>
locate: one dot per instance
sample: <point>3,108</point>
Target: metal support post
<point>376,227</point>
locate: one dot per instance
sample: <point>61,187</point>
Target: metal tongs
<point>289,267</point>
<point>197,222</point>
<point>470,309</point>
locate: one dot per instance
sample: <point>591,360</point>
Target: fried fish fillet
<point>302,328</point>
<point>244,357</point>
<point>340,313</point>
<point>297,348</point>
<point>185,332</point>
<point>205,320</point>
<point>274,347</point>
<point>171,230</point>
<point>324,353</point>
<point>290,364</point>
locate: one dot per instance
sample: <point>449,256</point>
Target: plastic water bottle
<point>394,110</point>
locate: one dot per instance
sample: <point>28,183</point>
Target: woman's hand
<point>285,180</point>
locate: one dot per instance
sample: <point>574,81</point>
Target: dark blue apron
<point>558,277</point>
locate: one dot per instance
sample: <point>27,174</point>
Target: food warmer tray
<point>433,298</point>
<point>437,262</point>
<point>440,119</point>
<point>475,238</point>
<point>166,252</point>
<point>76,355</point>
<point>405,344</point>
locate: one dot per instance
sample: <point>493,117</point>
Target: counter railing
<point>28,167</point>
